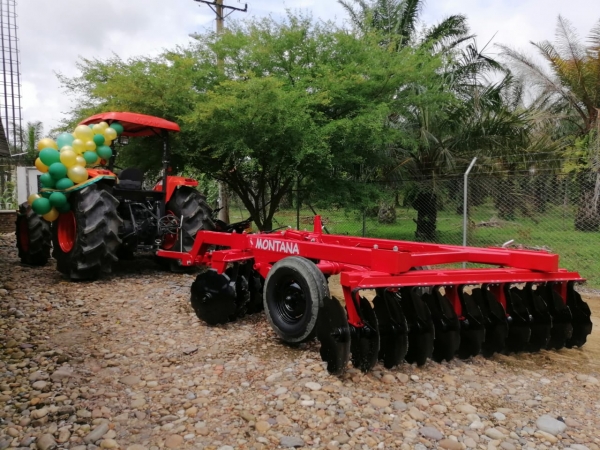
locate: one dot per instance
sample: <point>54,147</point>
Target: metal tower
<point>10,83</point>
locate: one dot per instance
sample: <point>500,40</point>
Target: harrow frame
<point>382,264</point>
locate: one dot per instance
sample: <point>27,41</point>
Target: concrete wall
<point>7,221</point>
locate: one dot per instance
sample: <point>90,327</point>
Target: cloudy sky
<point>55,34</point>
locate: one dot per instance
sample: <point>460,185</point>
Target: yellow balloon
<point>51,216</point>
<point>110,134</point>
<point>107,142</point>
<point>46,143</point>
<point>67,148</point>
<point>98,129</point>
<point>39,165</point>
<point>90,146</point>
<point>80,161</point>
<point>104,125</point>
<point>77,174</point>
<point>84,133</point>
<point>79,146</point>
<point>68,158</point>
<point>32,198</point>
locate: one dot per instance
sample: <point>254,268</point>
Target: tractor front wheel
<point>33,237</point>
<point>86,239</point>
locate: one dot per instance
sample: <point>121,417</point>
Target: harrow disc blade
<point>255,286</point>
<point>562,327</point>
<point>582,323</point>
<point>541,320</point>
<point>519,327</point>
<point>334,334</point>
<point>447,326</point>
<point>421,330</point>
<point>364,344</point>
<point>496,325</point>
<point>472,328</point>
<point>213,297</point>
<point>393,330</point>
<point>242,294</point>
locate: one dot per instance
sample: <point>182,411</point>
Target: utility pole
<point>219,9</point>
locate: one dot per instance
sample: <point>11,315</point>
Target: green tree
<point>28,137</point>
<point>295,99</point>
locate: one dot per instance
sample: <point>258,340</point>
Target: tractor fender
<point>173,183</point>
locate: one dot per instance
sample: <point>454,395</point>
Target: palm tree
<point>570,91</point>
<point>572,86</point>
<point>28,137</point>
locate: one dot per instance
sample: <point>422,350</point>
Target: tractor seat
<point>131,179</point>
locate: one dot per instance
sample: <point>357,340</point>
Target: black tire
<point>34,238</point>
<point>293,293</point>
<point>190,204</point>
<point>96,236</point>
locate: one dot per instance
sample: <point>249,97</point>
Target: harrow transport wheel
<point>190,204</point>
<point>213,297</point>
<point>472,329</point>
<point>519,326</point>
<point>333,333</point>
<point>34,237</point>
<point>496,325</point>
<point>582,323</point>
<point>447,326</point>
<point>86,239</point>
<point>294,293</point>
<point>393,329</point>
<point>364,345</point>
<point>421,330</point>
<point>562,327</point>
<point>541,321</point>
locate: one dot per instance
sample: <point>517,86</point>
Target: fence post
<point>465,203</point>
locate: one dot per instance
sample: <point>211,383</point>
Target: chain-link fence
<point>555,212</point>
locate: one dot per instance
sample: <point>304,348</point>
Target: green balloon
<point>90,157</point>
<point>45,194</point>
<point>63,184</point>
<point>58,171</point>
<point>49,156</point>
<point>99,140</point>
<point>64,208</point>
<point>104,152</point>
<point>41,206</point>
<point>64,139</point>
<point>57,199</point>
<point>117,127</point>
<point>47,180</point>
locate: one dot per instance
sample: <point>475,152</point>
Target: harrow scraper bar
<point>522,300</point>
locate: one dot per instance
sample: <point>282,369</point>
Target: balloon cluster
<point>62,163</point>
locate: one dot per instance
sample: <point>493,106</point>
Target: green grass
<point>578,251</point>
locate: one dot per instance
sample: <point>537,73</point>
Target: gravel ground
<point>125,363</point>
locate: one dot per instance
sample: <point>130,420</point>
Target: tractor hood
<point>134,124</point>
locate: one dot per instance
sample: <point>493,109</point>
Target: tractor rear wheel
<point>294,292</point>
<point>86,239</point>
<point>34,238</point>
<point>190,204</point>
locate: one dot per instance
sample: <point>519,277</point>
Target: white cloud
<point>53,35</point>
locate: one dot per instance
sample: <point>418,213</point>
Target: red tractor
<point>113,217</point>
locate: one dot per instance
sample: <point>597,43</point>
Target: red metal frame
<point>365,263</point>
